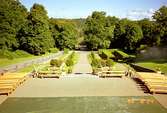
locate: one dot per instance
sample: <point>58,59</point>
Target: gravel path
<point>83,66</point>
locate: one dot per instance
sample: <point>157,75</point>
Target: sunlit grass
<point>5,62</point>
<point>154,64</point>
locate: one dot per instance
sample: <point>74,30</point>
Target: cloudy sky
<point>132,9</point>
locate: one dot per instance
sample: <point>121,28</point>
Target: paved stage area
<point>81,85</point>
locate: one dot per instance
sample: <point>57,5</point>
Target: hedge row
<point>70,62</point>
<point>105,54</point>
<point>97,62</point>
<point>115,54</point>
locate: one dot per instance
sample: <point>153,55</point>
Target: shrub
<point>53,50</point>
<point>96,63</point>
<point>69,62</point>
<point>105,54</point>
<point>55,62</point>
<point>66,50</point>
<point>109,62</point>
<point>103,62</point>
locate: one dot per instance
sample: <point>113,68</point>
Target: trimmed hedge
<point>56,62</point>
<point>105,54</point>
<point>120,55</point>
<point>71,61</point>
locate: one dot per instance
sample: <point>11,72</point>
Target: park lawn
<point>5,62</point>
<point>154,64</point>
<point>81,105</point>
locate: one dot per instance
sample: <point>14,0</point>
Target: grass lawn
<point>5,62</point>
<point>81,105</point>
<point>153,64</point>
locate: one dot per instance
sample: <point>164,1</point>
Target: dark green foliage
<point>12,17</point>
<point>161,19</point>
<point>97,31</point>
<point>151,35</point>
<point>127,34</point>
<point>64,33</point>
<point>35,36</point>
<point>105,54</point>
<point>120,55</point>
<point>56,62</point>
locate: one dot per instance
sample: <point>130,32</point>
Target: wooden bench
<point>10,81</point>
<point>52,74</point>
<point>111,73</point>
<point>156,83</point>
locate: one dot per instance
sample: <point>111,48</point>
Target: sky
<point>132,9</point>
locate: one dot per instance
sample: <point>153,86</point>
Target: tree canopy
<point>12,17</point>
<point>64,33</point>
<point>35,36</point>
<point>97,31</point>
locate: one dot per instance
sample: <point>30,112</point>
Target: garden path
<point>82,66</point>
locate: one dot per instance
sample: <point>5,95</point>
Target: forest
<point>34,32</point>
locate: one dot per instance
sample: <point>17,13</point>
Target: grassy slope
<point>5,62</point>
<point>154,64</point>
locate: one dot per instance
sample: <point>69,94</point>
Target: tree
<point>126,35</point>
<point>64,33</point>
<point>161,19</point>
<point>12,17</point>
<point>35,36</point>
<point>98,33</point>
<point>133,36</point>
<point>151,36</point>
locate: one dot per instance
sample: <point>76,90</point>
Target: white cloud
<point>138,14</point>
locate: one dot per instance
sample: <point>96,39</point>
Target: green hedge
<point>71,61</point>
<point>105,54</point>
<point>56,62</point>
<point>120,55</point>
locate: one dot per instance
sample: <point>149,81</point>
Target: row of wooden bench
<point>156,83</point>
<point>111,74</point>
<point>10,81</point>
<point>48,74</point>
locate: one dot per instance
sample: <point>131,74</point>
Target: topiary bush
<point>56,62</point>
<point>96,63</point>
<point>69,62</point>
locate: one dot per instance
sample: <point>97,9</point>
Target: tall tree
<point>12,17</point>
<point>161,18</point>
<point>64,33</point>
<point>126,35</point>
<point>35,36</point>
<point>98,33</point>
<point>151,35</point>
